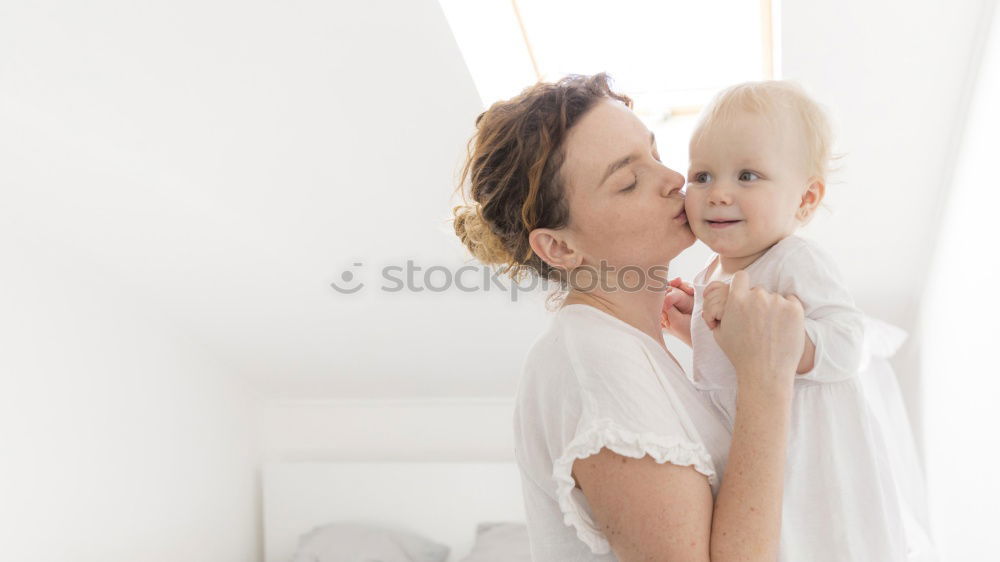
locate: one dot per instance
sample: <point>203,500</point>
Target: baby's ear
<point>811,199</point>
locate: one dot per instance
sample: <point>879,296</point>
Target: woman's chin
<point>678,241</point>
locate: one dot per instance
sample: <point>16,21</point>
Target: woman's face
<point>625,207</point>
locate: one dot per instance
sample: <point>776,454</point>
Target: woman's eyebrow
<point>615,166</point>
<point>622,162</point>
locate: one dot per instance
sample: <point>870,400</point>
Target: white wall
<point>414,429</point>
<point>959,313</point>
<point>232,159</point>
<point>119,440</point>
<point>895,75</point>
<point>181,181</point>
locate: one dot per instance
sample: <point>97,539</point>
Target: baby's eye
<point>746,175</point>
<point>701,177</point>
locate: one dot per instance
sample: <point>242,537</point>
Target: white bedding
<point>444,502</point>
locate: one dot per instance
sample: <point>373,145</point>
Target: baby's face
<point>745,185</point>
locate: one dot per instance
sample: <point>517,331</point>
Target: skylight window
<point>669,56</point>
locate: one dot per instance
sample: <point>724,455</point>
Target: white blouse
<point>593,381</point>
<point>843,486</point>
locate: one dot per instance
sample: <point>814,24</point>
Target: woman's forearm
<point>746,522</point>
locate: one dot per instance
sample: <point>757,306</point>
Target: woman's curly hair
<point>512,172</point>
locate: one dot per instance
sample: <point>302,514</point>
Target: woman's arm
<point>747,518</point>
<point>647,511</point>
<point>651,511</point>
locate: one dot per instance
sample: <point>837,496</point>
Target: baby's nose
<point>719,195</point>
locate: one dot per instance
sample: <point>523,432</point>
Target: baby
<point>759,161</point>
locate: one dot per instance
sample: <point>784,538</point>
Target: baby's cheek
<point>690,206</point>
<point>693,209</point>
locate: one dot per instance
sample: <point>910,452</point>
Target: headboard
<point>441,501</point>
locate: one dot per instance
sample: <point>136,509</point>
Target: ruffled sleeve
<point>606,433</point>
<point>630,408</point>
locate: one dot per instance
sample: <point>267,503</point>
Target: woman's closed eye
<point>631,186</point>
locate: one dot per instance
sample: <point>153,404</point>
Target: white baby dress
<point>852,489</point>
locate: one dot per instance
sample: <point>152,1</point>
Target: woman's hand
<point>677,305</point>
<point>762,335</point>
<point>714,303</point>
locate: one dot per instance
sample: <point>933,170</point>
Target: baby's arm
<point>808,356</point>
<point>834,326</point>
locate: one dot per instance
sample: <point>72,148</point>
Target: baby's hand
<point>714,303</point>
<point>676,314</point>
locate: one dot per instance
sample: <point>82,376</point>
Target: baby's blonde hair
<point>776,98</point>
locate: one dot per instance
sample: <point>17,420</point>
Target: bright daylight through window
<point>669,69</point>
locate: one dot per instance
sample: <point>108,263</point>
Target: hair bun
<point>472,229</point>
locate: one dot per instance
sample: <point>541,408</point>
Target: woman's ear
<point>811,199</point>
<point>555,248</point>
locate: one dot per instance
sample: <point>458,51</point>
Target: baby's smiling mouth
<point>722,223</point>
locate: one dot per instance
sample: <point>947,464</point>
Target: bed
<point>443,501</point>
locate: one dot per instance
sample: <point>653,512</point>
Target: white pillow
<point>359,542</point>
<point>500,542</point>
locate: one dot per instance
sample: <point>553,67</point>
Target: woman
<point>620,457</point>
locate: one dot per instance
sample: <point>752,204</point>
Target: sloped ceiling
<point>223,164</point>
<point>220,164</point>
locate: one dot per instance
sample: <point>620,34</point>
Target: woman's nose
<point>673,184</point>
